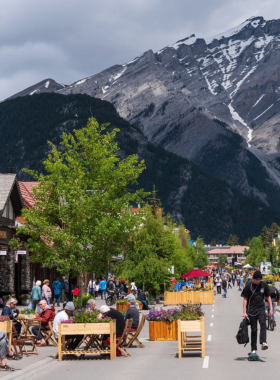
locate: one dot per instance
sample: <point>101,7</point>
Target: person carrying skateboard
<point>254,309</point>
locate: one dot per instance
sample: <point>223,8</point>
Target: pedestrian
<point>102,286</point>
<point>229,282</point>
<point>46,292</point>
<point>96,289</point>
<point>233,277</point>
<point>133,286</point>
<point>218,284</point>
<point>241,283</point>
<point>63,290</point>
<point>91,287</point>
<point>36,295</point>
<point>57,287</point>
<point>224,286</point>
<point>274,295</point>
<point>254,309</point>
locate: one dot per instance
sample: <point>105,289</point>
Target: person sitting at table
<point>6,352</point>
<point>131,296</point>
<point>91,303</point>
<point>12,312</point>
<point>142,298</point>
<point>64,315</point>
<point>114,314</point>
<point>132,313</point>
<point>46,315</point>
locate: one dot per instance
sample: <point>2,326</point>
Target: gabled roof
<point>9,188</point>
<point>27,195</point>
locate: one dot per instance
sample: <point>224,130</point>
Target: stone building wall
<point>25,273</point>
<point>7,271</point>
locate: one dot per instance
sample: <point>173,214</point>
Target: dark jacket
<point>133,313</point>
<point>120,324</point>
<point>9,311</point>
<point>142,296</point>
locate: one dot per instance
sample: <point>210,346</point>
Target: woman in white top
<point>218,284</point>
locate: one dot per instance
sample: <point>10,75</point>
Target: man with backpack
<point>274,295</point>
<point>254,309</point>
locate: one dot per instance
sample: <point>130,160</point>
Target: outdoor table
<point>23,321</point>
<point>91,331</point>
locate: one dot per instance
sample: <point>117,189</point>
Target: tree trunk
<point>81,290</point>
<point>143,286</point>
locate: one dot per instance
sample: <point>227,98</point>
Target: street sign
<point>3,253</point>
<point>171,270</point>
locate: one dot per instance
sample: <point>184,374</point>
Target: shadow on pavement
<point>245,358</point>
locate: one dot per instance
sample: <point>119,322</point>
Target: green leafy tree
<point>230,240</point>
<point>222,259</point>
<point>152,250</point>
<point>256,252</point>
<point>202,255</point>
<point>213,243</point>
<point>77,221</point>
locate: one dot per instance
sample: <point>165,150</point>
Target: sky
<point>73,39</point>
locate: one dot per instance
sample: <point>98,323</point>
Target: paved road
<point>225,359</point>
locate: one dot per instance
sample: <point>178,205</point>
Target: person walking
<point>224,286</point>
<point>91,287</point>
<point>218,284</point>
<point>229,282</point>
<point>96,289</point>
<point>233,277</point>
<point>241,283</point>
<point>274,295</point>
<point>102,287</point>
<point>46,292</point>
<point>36,295</point>
<point>57,287</point>
<point>254,309</point>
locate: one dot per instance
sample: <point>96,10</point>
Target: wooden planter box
<point>87,329</point>
<point>191,343</point>
<point>183,298</point>
<point>163,330</point>
<point>7,327</point>
<point>124,307</point>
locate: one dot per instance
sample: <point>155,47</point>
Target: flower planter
<point>7,327</point>
<point>24,302</point>
<point>191,343</point>
<point>163,330</point>
<point>87,329</point>
<point>183,298</point>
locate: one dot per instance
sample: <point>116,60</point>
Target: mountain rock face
<point>213,101</point>
<point>209,207</point>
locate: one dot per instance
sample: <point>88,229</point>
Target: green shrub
<point>84,301</point>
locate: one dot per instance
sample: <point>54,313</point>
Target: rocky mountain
<point>47,85</point>
<point>209,207</point>
<point>213,101</point>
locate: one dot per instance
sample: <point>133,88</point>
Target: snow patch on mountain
<point>33,92</point>
<point>256,118</point>
<point>47,84</point>
<point>257,102</point>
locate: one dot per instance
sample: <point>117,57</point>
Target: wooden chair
<point>49,335</point>
<point>121,340</point>
<point>133,335</point>
<point>17,342</point>
<point>31,337</point>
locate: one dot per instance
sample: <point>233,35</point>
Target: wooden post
<point>202,338</point>
<point>113,352</point>
<point>179,340</point>
<point>59,342</point>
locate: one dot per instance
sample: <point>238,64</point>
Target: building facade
<point>236,252</point>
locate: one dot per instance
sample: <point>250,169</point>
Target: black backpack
<point>242,336</point>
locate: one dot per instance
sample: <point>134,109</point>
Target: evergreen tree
<point>235,240</point>
<point>230,240</point>
<point>273,231</point>
<point>213,243</point>
<point>266,237</point>
<point>247,242</point>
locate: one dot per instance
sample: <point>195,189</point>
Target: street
<point>224,357</point>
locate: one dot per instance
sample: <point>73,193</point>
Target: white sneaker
<point>254,352</point>
<point>264,346</point>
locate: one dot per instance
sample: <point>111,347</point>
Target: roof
<point>226,249</point>
<point>27,195</point>
<point>9,188</point>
